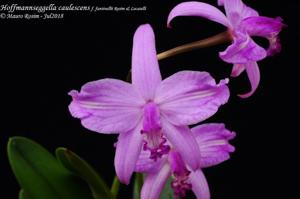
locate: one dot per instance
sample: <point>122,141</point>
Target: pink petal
<point>188,97</point>
<point>145,69</point>
<point>220,2</point>
<point>243,50</point>
<point>236,10</point>
<point>183,141</point>
<point>128,148</point>
<point>233,9</point>
<point>213,142</point>
<point>237,70</point>
<point>199,185</point>
<point>233,5</point>
<point>200,10</point>
<point>254,77</point>
<point>249,12</point>
<point>265,27</point>
<point>107,106</point>
<point>155,182</point>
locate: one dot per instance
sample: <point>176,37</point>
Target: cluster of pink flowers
<point>152,116</point>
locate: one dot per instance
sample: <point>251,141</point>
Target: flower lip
<point>156,151</point>
<point>212,140</point>
<point>181,174</point>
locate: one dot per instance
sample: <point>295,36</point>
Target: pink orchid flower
<point>212,140</point>
<point>149,111</point>
<point>242,22</point>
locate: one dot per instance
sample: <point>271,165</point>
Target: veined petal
<point>184,142</point>
<point>237,70</point>
<point>188,97</point>
<point>145,69</point>
<point>263,26</point>
<point>213,143</point>
<point>242,50</point>
<point>155,182</point>
<point>233,7</point>
<point>107,106</point>
<point>236,11</point>
<point>254,77</point>
<point>199,185</point>
<point>198,9</point>
<point>128,148</point>
<point>249,12</point>
<point>266,27</point>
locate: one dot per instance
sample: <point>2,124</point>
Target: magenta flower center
<point>154,141</point>
<point>180,183</point>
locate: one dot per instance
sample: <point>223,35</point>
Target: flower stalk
<point>220,38</point>
<point>115,187</point>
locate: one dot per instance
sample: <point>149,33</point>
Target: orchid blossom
<point>149,114</point>
<point>242,22</point>
<point>212,140</point>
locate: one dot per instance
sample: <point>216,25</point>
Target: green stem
<point>115,187</point>
<point>138,183</point>
<point>220,38</point>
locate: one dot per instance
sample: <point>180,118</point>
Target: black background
<point>42,60</point>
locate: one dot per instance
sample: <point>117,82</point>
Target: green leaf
<point>115,187</point>
<point>40,174</point>
<point>78,166</point>
<point>23,195</point>
<point>138,183</point>
<point>167,192</point>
